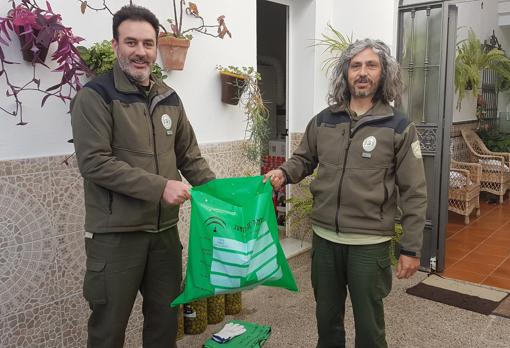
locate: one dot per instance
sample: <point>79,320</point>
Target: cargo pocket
<point>94,285</point>
<point>385,277</point>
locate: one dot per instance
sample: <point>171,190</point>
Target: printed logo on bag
<point>369,145</point>
<point>167,123</point>
<point>215,224</point>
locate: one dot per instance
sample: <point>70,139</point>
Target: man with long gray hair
<point>367,153</point>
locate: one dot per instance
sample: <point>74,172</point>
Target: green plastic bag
<point>233,241</point>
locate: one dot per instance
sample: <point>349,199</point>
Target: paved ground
<point>410,321</point>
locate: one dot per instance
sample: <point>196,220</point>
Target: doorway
<point>477,247</point>
<point>272,64</point>
<point>426,52</point>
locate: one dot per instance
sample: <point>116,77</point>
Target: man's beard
<point>360,93</point>
<point>139,76</point>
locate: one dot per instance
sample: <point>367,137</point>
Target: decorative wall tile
<point>135,323</point>
<point>70,264</point>
<point>183,227</point>
<point>63,162</point>
<point>36,327</point>
<point>28,276</point>
<point>133,339</point>
<point>42,256</point>
<point>74,313</point>
<point>24,166</point>
<point>27,244</point>
<point>298,229</point>
<point>68,207</point>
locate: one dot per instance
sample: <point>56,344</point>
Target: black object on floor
<point>453,298</point>
<point>503,309</point>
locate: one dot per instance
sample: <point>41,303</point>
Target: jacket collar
<point>379,109</point>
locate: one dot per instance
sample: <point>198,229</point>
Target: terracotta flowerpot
<point>173,52</point>
<point>232,87</point>
<point>26,49</point>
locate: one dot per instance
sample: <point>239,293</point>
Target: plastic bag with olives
<point>195,317</point>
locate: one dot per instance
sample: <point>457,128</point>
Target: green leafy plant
<point>471,59</point>
<point>100,59</point>
<point>334,44</point>
<point>240,72</point>
<point>495,140</point>
<point>254,106</point>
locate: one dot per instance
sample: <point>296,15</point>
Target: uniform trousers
<point>362,270</point>
<point>119,265</point>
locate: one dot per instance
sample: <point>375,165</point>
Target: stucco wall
<point>198,84</point>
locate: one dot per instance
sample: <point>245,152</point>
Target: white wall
<point>198,84</point>
<point>301,64</point>
<point>309,18</point>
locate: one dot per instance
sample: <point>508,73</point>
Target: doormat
<point>461,295</point>
<point>503,310</point>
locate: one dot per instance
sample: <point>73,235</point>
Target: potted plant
<point>233,81</point>
<point>173,45</point>
<point>471,59</point>
<point>244,90</point>
<point>100,59</point>
<point>37,29</point>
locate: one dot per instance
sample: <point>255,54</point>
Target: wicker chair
<point>464,188</point>
<point>495,165</point>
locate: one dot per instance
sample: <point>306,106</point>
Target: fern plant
<point>471,59</point>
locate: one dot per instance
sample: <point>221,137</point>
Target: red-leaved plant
<point>37,28</point>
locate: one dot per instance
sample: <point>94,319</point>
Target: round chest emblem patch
<point>167,121</point>
<point>369,143</point>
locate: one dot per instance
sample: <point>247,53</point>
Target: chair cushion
<point>491,165</point>
<point>458,180</point>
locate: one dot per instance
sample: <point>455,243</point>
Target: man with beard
<point>132,137</point>
<point>364,150</point>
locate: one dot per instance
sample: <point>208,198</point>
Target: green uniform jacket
<point>128,145</point>
<point>359,170</point>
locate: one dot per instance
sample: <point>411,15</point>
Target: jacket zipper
<point>337,223</point>
<point>359,124</point>
<point>157,162</point>
<point>110,202</point>
<point>385,194</point>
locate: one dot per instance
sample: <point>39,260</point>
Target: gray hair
<point>390,85</point>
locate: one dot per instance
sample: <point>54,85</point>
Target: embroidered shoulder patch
<point>416,149</point>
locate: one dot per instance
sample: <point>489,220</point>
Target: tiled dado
<point>42,256</point>
<point>300,230</point>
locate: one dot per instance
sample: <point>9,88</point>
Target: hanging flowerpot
<point>173,51</point>
<point>232,86</point>
<point>27,48</point>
